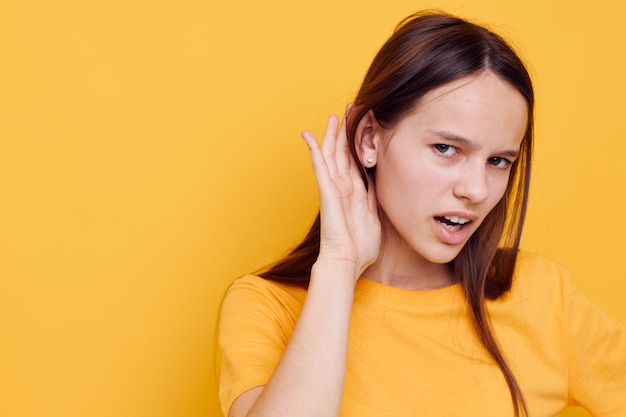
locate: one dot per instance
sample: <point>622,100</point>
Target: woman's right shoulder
<point>252,292</point>
<point>256,283</point>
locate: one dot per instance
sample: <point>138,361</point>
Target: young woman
<point>408,296</point>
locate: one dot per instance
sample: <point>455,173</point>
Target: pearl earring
<point>370,160</point>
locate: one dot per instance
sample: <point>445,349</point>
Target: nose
<point>472,184</point>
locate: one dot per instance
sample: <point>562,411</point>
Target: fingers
<point>326,154</point>
<point>342,149</point>
<point>320,168</point>
<point>332,160</point>
<point>311,141</point>
<point>329,144</point>
<point>346,162</point>
<point>336,147</point>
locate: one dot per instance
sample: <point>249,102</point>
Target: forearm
<point>308,380</point>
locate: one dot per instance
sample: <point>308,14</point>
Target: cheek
<point>498,190</point>
<point>408,192</point>
<point>414,177</point>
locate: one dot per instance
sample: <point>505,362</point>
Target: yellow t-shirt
<point>414,353</point>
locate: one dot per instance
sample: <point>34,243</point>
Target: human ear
<point>368,139</point>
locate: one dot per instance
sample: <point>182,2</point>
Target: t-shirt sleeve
<point>256,321</point>
<point>597,358</point>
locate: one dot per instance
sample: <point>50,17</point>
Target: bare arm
<point>308,380</point>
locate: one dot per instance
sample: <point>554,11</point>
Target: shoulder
<point>535,272</point>
<point>533,264</point>
<point>540,285</point>
<point>249,285</point>
<point>253,295</point>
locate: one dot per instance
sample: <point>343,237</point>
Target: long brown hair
<point>428,50</point>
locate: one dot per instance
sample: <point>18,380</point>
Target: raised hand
<point>350,227</point>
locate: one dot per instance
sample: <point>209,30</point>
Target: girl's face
<point>444,167</point>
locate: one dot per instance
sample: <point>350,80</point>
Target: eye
<point>445,150</point>
<point>499,162</point>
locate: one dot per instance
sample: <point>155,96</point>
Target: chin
<point>444,256</point>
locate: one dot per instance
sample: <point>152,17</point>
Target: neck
<point>411,273</point>
<point>399,265</point>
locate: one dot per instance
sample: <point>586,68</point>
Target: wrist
<point>336,270</point>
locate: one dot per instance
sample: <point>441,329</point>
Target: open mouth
<point>452,223</point>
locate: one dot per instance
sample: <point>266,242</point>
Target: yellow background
<point>150,153</point>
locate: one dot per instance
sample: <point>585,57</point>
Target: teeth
<point>456,219</point>
<point>451,228</point>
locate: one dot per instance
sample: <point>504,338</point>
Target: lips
<point>453,228</point>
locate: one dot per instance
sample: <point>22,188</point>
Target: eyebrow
<point>453,137</point>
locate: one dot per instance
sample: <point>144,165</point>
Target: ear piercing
<point>370,160</point>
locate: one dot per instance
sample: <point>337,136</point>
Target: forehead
<point>480,107</point>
